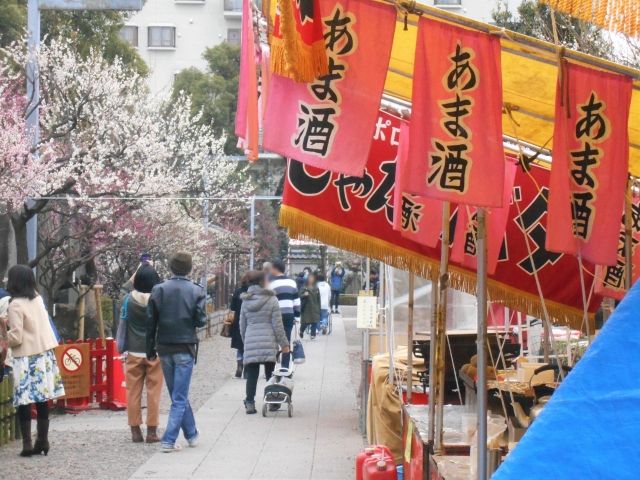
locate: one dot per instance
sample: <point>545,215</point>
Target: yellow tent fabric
<point>529,72</point>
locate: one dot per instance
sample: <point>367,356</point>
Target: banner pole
<point>628,237</point>
<point>481,385</point>
<point>443,285</point>
<point>432,361</point>
<point>410,341</point>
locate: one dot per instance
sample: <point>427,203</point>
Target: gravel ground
<point>96,444</point>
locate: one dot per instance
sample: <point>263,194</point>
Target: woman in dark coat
<point>236,338</point>
<point>310,309</point>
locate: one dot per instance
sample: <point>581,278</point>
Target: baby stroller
<point>279,390</point>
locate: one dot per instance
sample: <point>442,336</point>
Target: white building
<point>481,10</point>
<point>172,35</point>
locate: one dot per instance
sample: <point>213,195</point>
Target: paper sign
<point>367,316</point>
<point>408,443</point>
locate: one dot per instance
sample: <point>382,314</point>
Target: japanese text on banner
<point>590,163</point>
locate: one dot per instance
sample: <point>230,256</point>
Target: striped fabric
<point>286,292</point>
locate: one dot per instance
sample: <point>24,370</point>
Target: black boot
<point>42,440</point>
<point>239,369</point>
<point>25,431</point>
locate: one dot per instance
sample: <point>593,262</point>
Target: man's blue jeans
<point>324,318</point>
<point>287,323</point>
<point>177,369</point>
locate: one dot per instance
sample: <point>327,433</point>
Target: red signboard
<point>356,213</point>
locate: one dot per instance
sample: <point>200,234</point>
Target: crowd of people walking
<point>157,333</point>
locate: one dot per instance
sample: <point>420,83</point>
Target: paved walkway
<point>319,442</point>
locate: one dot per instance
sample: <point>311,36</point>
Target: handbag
<point>298,350</point>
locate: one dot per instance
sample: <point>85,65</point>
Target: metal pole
<point>390,325</point>
<point>443,285</point>
<point>628,237</point>
<point>481,385</point>
<point>205,227</point>
<point>33,109</point>
<point>364,380</point>
<point>252,232</point>
<point>410,340</point>
<point>367,280</point>
<point>364,377</point>
<point>432,361</point>
<point>381,301</point>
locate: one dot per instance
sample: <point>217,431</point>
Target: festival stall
<point>452,180</point>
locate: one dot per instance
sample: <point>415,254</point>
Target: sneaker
<point>324,331</point>
<point>313,337</point>
<point>250,407</point>
<point>171,448</point>
<point>193,442</point>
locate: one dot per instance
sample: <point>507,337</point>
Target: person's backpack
<point>121,334</point>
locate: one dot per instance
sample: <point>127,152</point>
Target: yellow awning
<point>529,71</point>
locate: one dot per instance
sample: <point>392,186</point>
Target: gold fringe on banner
<point>293,58</point>
<point>616,15</point>
<point>302,225</point>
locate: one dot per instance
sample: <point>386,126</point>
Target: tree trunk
<point>7,245</point>
<point>19,223</point>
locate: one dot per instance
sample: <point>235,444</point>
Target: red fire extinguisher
<point>381,470</point>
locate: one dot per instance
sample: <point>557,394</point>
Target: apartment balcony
<point>232,8</point>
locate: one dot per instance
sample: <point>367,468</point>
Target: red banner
<point>610,279</point>
<point>456,129</point>
<point>329,123</point>
<point>356,213</point>
<point>247,120</point>
<point>590,163</point>
<point>416,218</point>
<point>464,251</point>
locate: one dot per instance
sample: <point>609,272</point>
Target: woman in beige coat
<point>35,370</point>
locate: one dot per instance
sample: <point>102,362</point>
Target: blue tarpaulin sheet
<point>590,429</point>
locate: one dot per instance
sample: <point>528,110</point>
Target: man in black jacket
<point>176,308</point>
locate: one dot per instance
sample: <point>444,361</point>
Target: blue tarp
<point>590,429</point>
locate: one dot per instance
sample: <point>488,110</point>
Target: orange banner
<point>610,279</point>
<point>329,122</point>
<point>590,163</point>
<point>456,148</point>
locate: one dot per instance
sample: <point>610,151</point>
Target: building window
<point>233,36</point>
<point>447,2</point>
<point>233,6</point>
<point>161,37</point>
<point>129,34</point>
